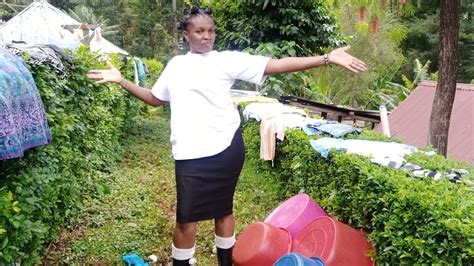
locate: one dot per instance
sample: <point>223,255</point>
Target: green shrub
<point>45,189</point>
<point>409,220</point>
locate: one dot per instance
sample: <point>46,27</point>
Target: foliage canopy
<point>248,23</point>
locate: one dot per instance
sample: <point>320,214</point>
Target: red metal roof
<point>410,120</point>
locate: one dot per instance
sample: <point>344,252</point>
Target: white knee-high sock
<point>225,242</point>
<point>182,254</point>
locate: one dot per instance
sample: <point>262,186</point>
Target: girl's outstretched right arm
<point>113,75</point>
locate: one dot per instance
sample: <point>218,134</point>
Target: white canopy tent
<point>42,23</point>
<point>101,45</point>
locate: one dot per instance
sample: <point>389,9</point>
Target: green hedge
<point>45,189</point>
<point>409,220</point>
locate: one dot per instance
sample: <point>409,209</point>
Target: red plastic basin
<point>334,242</point>
<point>261,244</point>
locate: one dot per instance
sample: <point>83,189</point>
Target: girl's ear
<point>186,35</point>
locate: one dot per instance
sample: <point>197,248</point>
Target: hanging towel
<point>136,79</point>
<point>274,128</point>
<point>23,122</point>
<point>140,70</point>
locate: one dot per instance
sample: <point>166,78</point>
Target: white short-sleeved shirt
<point>203,115</point>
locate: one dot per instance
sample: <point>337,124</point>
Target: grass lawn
<point>137,214</point>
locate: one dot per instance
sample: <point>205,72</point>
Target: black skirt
<point>206,186</point>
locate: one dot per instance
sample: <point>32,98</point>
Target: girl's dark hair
<point>192,13</point>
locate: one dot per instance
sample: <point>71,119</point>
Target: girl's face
<point>200,34</point>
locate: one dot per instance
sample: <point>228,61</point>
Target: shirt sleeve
<point>247,67</point>
<point>160,88</point>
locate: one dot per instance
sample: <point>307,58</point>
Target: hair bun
<point>189,13</point>
<point>195,10</point>
<point>186,11</point>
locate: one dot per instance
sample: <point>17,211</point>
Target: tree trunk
<point>446,88</point>
<point>175,27</point>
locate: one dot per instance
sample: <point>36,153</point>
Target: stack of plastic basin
<point>261,244</point>
<point>296,259</point>
<point>334,242</point>
<point>295,213</point>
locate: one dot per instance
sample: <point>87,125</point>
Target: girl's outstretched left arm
<point>338,56</point>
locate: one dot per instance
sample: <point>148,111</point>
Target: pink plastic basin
<point>295,213</point>
<point>261,244</point>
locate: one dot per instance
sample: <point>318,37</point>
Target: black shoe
<point>180,262</point>
<point>224,256</point>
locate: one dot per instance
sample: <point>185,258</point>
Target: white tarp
<point>42,23</point>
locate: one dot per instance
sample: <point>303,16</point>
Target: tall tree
<point>422,41</point>
<point>145,27</point>
<point>446,88</point>
<point>248,23</point>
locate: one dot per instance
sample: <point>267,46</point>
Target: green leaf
<point>10,196</point>
<point>15,206</point>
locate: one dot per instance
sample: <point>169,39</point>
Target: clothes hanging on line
<point>140,70</point>
<point>38,54</point>
<point>274,128</point>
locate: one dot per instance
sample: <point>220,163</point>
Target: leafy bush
<point>248,23</point>
<point>45,188</point>
<point>409,220</point>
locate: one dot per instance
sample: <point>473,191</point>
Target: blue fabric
<point>23,122</point>
<point>134,259</point>
<point>310,131</point>
<point>320,122</point>
<point>337,130</point>
<point>323,145</point>
<point>296,259</point>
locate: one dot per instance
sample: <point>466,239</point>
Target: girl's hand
<point>340,57</point>
<point>105,75</point>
